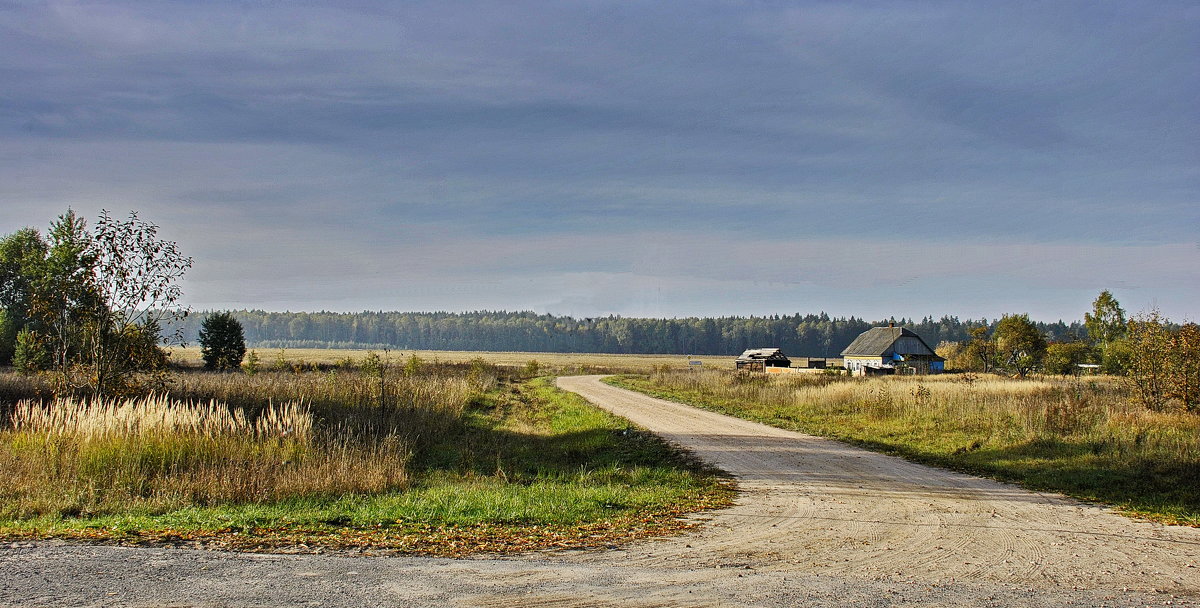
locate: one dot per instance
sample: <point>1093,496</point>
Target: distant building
<point>759,359</point>
<point>891,350</point>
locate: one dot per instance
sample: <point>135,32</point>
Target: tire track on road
<point>817,505</point>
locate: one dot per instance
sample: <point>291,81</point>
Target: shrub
<point>251,365</point>
<point>531,368</point>
<point>1063,358</point>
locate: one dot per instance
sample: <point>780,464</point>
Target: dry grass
<point>156,454</point>
<point>445,458</point>
<point>564,363</point>
<point>224,438</point>
<point>1084,436</point>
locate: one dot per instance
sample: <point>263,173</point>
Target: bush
<point>1063,358</point>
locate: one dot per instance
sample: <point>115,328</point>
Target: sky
<point>665,159</point>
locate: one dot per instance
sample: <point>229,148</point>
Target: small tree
<point>1117,357</point>
<point>222,341</point>
<point>980,353</point>
<point>954,354</point>
<point>1149,365</point>
<point>63,303</point>
<point>251,365</point>
<point>1019,343</point>
<point>414,365</point>
<point>135,281</point>
<point>1106,323</point>
<point>374,365</point>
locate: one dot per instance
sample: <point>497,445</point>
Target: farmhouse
<point>759,359</point>
<point>890,350</point>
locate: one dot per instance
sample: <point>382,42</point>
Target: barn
<point>759,359</point>
<point>891,350</point>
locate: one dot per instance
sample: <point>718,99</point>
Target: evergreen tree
<point>222,342</point>
<point>29,354</point>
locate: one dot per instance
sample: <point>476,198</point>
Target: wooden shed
<point>759,359</point>
<point>890,350</point>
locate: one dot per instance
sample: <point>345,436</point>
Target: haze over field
<point>642,159</point>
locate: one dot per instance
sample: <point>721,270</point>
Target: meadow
<point>441,458</point>
<point>1084,437</point>
<point>564,363</point>
<point>451,453</point>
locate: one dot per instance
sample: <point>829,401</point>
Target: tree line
<point>800,335</point>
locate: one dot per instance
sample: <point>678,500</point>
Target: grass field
<point>455,459</point>
<point>1082,437</point>
<point>567,363</point>
<point>460,452</point>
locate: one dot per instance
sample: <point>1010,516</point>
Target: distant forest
<point>809,335</point>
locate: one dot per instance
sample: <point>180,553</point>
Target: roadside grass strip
<point>1081,437</point>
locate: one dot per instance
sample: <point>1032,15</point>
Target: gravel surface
<point>818,524</point>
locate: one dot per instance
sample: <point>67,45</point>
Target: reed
<point>225,438</point>
<point>155,454</point>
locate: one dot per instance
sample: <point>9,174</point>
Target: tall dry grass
<point>155,454</point>
<point>224,438</point>
<point>960,411</point>
<point>1085,437</point>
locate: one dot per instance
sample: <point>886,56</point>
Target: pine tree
<point>222,342</point>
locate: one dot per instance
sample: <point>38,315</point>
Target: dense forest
<point>808,335</point>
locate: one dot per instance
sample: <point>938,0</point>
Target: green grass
<point>1083,439</point>
<point>525,466</point>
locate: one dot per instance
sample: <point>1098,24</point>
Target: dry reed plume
<point>156,454</point>
<point>222,438</point>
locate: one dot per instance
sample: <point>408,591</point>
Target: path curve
<point>818,523</point>
<point>821,506</point>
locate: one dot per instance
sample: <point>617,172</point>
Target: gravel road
<point>818,524</point>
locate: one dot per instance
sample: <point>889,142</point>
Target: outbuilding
<point>891,350</point>
<point>759,359</point>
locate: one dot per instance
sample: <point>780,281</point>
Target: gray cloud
<point>458,156</point>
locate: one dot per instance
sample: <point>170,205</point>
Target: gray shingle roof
<point>887,341</point>
<point>760,354</point>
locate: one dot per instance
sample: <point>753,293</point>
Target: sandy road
<point>819,524</point>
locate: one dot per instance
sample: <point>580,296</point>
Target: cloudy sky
<point>636,158</point>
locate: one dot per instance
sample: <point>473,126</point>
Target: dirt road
<point>819,524</point>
